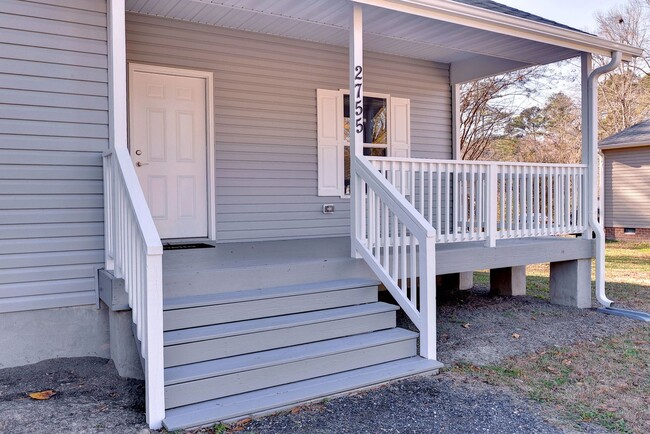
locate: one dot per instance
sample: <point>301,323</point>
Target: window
<point>386,133</point>
<point>375,132</point>
<point>629,231</point>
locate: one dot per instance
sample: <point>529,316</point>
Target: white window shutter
<point>330,131</point>
<point>400,127</point>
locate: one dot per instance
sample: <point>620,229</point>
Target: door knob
<point>139,164</point>
<point>138,152</point>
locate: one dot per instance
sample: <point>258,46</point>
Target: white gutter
<point>498,22</point>
<point>596,226</point>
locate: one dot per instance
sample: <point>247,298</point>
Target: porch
<point>248,327</point>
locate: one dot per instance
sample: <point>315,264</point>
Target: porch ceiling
<point>472,52</point>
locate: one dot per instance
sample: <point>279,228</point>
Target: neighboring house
<point>626,176</point>
<point>128,125</point>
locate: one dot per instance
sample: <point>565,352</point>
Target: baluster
<point>413,268</point>
<point>438,203</point>
<point>430,194</point>
<point>472,207</point>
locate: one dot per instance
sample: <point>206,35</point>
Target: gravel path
<point>473,328</point>
<point>439,404</point>
<point>91,398</point>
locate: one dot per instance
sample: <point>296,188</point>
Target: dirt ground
<point>474,328</point>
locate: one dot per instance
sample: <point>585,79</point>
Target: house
<point>310,147</point>
<point>626,171</point>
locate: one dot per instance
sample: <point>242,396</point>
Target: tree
<point>624,95</point>
<point>487,106</point>
<point>548,134</point>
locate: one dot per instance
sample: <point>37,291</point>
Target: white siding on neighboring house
<point>627,187</point>
<point>53,129</point>
<point>265,118</point>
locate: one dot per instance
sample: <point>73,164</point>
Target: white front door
<point>168,144</point>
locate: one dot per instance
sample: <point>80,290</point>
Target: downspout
<point>594,224</point>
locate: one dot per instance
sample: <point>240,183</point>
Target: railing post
<point>428,298</point>
<point>154,361</point>
<point>492,200</point>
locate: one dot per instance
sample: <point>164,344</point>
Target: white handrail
<point>399,245</point>
<point>134,253</point>
<point>477,200</point>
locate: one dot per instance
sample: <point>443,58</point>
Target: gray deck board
<point>247,362</point>
<point>224,313</point>
<point>276,398</point>
<point>219,331</point>
<point>282,336</point>
<point>261,294</point>
<point>298,369</point>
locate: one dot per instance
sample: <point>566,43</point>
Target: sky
<point>575,13</point>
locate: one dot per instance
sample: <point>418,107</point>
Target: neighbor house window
<point>629,231</point>
<point>386,133</point>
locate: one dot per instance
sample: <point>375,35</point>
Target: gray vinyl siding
<point>53,129</point>
<point>265,118</point>
<point>627,187</point>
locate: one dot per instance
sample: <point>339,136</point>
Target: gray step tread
<point>247,362</point>
<point>279,397</point>
<point>218,331</point>
<point>266,293</point>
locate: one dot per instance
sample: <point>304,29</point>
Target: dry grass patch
<point>606,382</point>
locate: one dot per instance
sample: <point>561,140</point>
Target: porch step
<point>203,381</point>
<point>226,340</point>
<point>201,310</point>
<point>276,398</point>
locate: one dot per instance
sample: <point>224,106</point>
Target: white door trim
<point>209,122</point>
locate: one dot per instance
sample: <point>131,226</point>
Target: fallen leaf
<point>551,369</point>
<point>296,410</point>
<point>42,395</point>
<point>566,362</point>
<point>466,325</point>
<point>516,335</point>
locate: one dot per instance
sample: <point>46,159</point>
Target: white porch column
<point>117,74</point>
<point>153,330</point>
<point>586,68</point>
<point>356,122</point>
<point>455,122</point>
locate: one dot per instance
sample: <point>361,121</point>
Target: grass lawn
<point>606,382</point>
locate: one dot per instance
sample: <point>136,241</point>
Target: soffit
<point>385,31</point>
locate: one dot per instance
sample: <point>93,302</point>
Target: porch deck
<point>252,265</point>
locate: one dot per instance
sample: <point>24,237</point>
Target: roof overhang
<point>497,22</point>
<point>473,41</point>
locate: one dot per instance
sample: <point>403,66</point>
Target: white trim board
<point>208,76</point>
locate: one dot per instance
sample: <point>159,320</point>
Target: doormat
<point>186,246</point>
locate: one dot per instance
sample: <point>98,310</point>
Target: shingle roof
<point>638,134</point>
<point>498,7</point>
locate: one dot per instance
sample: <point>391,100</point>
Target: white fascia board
<point>605,148</point>
<point>479,18</point>
<point>480,67</point>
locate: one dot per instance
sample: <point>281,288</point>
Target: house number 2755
<point>358,86</point>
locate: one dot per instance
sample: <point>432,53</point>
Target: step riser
<point>252,342</point>
<point>231,312</point>
<point>177,395</point>
<point>267,276</point>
